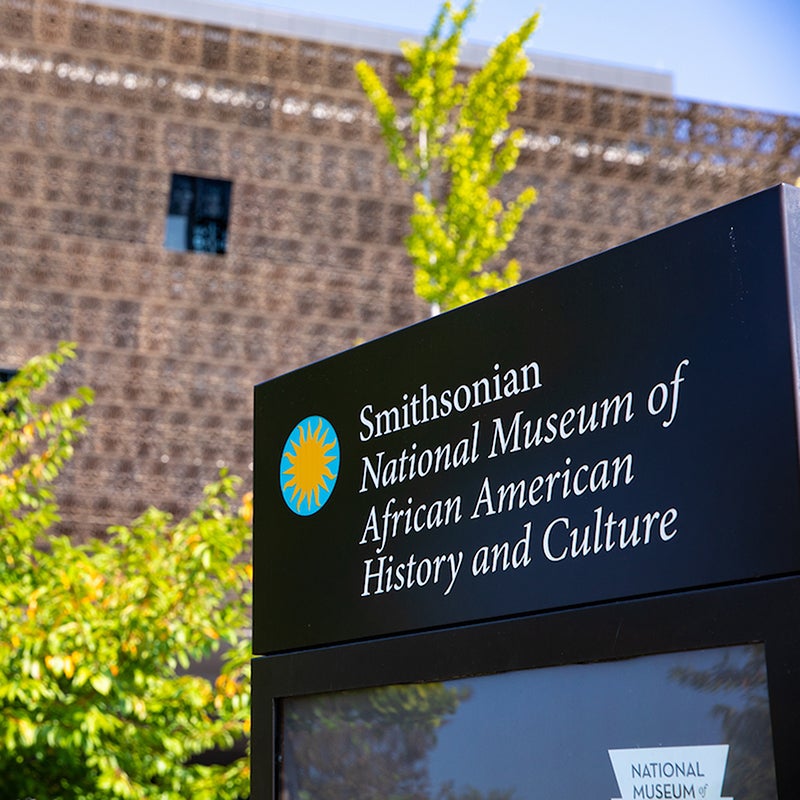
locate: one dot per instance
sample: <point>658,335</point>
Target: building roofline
<point>245,16</point>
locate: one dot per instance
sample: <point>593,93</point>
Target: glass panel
<point>692,724</point>
<point>197,216</point>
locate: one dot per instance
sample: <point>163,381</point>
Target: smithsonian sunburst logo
<point>309,465</point>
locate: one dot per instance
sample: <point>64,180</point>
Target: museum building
<point>203,202</point>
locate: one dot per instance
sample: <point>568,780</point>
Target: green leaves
<point>36,440</point>
<point>94,700</point>
<point>455,147</point>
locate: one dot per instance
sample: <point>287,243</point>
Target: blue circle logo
<point>309,466</point>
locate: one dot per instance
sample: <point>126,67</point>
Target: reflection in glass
<point>543,733</point>
<point>197,215</point>
<point>364,744</point>
<point>752,773</point>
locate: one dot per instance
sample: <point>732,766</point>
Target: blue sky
<point>732,52</point>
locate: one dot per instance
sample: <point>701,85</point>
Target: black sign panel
<point>620,427</point>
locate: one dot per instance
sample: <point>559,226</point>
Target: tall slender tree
<point>451,140</point>
<point>96,701</point>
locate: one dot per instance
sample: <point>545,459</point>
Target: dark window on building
<point>197,217</point>
<point>5,376</point>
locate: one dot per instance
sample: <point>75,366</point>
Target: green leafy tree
<point>96,698</point>
<point>454,146</point>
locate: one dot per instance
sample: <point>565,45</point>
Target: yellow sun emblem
<point>309,466</point>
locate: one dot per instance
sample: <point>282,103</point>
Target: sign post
<point>615,438</point>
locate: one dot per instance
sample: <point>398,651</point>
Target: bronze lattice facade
<point>101,107</point>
